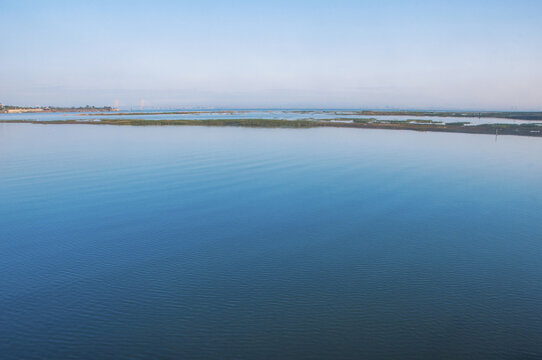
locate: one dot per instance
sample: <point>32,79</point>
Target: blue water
<point>236,243</point>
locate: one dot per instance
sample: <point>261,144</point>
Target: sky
<point>405,54</point>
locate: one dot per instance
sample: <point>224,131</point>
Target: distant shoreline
<point>490,129</point>
<point>48,109</point>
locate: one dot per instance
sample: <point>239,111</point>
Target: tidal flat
<point>524,129</point>
<point>333,116</point>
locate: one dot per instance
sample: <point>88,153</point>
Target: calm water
<point>236,243</point>
<point>253,114</point>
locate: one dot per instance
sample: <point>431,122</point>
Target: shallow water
<point>253,114</point>
<point>228,243</point>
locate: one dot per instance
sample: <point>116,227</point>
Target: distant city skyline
<point>482,55</point>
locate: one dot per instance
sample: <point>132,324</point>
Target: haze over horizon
<point>280,54</point>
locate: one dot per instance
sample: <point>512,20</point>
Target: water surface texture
<point>238,243</point>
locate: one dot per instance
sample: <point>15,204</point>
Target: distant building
<point>23,110</point>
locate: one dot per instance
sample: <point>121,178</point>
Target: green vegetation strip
<point>500,129</point>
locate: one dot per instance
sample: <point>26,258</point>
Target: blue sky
<point>323,54</point>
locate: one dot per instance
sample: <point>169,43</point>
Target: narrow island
<point>369,123</point>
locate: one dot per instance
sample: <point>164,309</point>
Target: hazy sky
<point>341,54</point>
